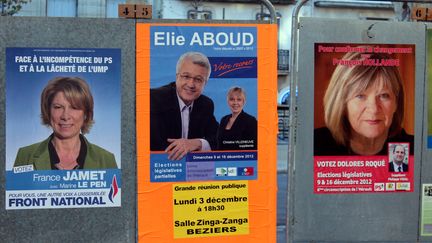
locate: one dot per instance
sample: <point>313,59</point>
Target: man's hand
<point>178,148</point>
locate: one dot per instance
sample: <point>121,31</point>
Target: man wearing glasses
<point>181,118</point>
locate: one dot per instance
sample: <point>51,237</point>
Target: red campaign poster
<point>364,118</point>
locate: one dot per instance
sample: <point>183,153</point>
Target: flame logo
<point>113,190</point>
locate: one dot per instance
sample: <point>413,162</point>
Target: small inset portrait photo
<point>398,157</point>
<point>427,190</point>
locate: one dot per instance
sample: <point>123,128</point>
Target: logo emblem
<point>113,190</point>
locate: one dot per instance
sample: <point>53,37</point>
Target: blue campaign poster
<point>232,55</point>
<point>55,98</point>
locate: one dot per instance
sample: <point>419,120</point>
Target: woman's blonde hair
<point>237,89</point>
<point>347,81</point>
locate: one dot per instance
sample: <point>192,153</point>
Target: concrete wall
<point>88,224</point>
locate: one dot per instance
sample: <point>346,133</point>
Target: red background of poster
<point>324,69</point>
<point>379,176</point>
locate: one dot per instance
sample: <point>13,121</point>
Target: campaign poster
<point>63,138</point>
<point>364,118</point>
<point>426,210</point>
<point>232,56</point>
<point>210,208</point>
<point>429,81</point>
<point>203,98</point>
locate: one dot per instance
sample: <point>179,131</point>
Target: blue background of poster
<point>23,89</point>
<point>164,59</point>
<point>26,181</point>
<point>207,166</point>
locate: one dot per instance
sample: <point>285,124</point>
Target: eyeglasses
<point>186,77</point>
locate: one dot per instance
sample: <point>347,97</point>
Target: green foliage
<point>11,7</point>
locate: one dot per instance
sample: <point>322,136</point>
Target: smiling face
<point>370,112</point>
<point>236,101</point>
<point>65,119</point>
<point>190,80</point>
<point>398,154</point>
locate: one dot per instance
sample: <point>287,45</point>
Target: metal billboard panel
<point>352,217</point>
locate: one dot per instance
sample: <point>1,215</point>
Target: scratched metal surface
<point>368,217</point>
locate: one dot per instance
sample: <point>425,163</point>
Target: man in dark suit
<point>397,164</point>
<point>181,118</point>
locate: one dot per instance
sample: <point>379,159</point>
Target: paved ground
<point>282,180</point>
<point>281,207</point>
<point>282,157</point>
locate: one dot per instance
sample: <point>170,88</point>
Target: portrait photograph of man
<point>398,159</point>
<point>182,117</point>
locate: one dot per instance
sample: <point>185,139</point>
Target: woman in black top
<point>238,130</point>
<point>363,109</point>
